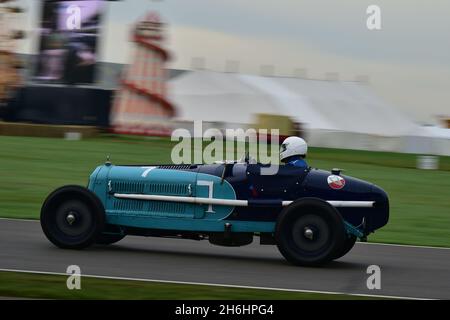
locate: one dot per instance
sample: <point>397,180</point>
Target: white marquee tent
<point>334,113</point>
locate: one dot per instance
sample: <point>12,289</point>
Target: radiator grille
<point>176,166</point>
<point>150,208</point>
<point>166,207</point>
<point>129,205</point>
<point>127,187</point>
<point>174,189</point>
<point>167,189</point>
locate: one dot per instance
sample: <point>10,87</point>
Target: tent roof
<point>327,105</point>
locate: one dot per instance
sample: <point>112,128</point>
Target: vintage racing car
<point>313,216</point>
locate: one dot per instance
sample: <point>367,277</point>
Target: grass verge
<point>30,168</point>
<point>42,286</point>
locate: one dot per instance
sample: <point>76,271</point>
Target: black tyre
<point>310,232</point>
<point>348,245</point>
<point>105,238</point>
<point>72,217</point>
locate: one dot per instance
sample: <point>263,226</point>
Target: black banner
<point>61,105</point>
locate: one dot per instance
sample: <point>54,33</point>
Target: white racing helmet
<point>293,146</point>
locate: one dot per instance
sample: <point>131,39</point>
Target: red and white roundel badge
<point>336,182</point>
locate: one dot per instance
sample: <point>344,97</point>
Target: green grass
<point>28,285</point>
<point>30,168</point>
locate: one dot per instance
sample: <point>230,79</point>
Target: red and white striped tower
<point>140,105</point>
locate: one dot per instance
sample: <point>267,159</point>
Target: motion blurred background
<point>81,80</point>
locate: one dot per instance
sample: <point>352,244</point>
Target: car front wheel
<point>310,232</point>
<point>348,245</point>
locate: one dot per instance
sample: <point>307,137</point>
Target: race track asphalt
<point>405,271</point>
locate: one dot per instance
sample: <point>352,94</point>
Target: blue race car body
<point>312,215</point>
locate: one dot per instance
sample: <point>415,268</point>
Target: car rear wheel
<point>72,217</point>
<point>106,238</point>
<point>310,232</point>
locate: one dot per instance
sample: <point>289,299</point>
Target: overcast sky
<point>407,61</point>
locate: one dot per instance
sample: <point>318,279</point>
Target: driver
<point>293,152</point>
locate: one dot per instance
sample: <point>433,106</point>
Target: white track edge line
<point>216,285</point>
<point>402,245</point>
<point>16,219</point>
